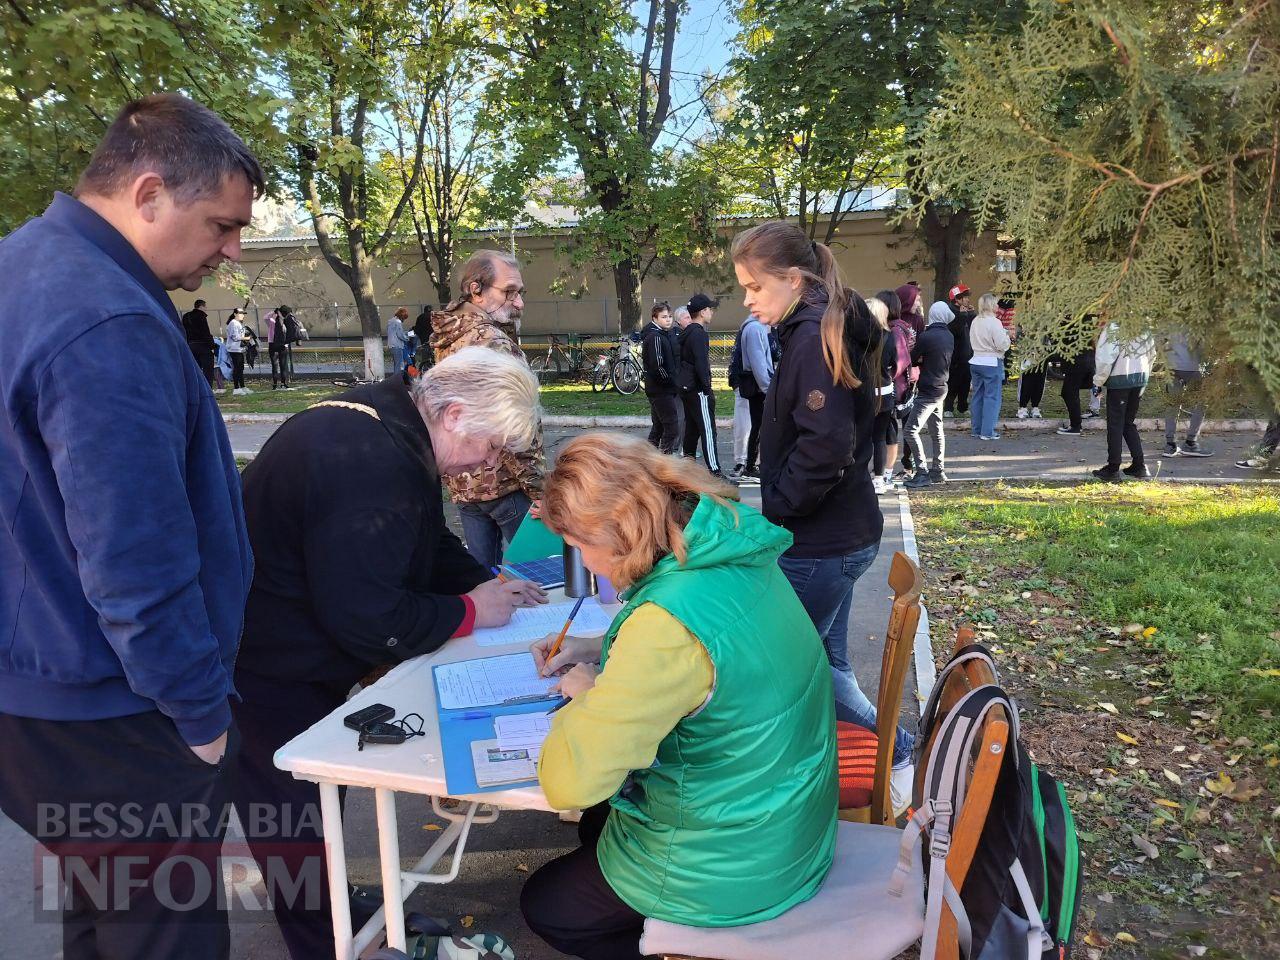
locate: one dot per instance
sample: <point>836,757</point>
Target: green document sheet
<point>532,541</point>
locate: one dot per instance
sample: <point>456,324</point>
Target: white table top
<point>326,751</point>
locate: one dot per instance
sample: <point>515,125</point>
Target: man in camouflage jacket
<point>491,502</point>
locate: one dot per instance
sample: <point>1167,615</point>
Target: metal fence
<point>333,343</point>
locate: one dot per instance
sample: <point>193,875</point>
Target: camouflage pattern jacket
<point>470,326</point>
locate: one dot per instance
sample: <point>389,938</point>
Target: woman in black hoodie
<point>816,441</point>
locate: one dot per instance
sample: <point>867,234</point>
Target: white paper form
<point>494,765</point>
<point>523,731</point>
<point>529,623</point>
<point>490,681</point>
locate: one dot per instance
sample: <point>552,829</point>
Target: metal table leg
<point>389,853</point>
<point>336,858</point>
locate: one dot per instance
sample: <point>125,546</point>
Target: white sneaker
<point>1022,413</point>
<point>1035,414</point>
<point>877,484</point>
<point>901,783</point>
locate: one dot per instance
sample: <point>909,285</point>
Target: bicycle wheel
<point>626,376</point>
<point>544,369</point>
<point>599,378</point>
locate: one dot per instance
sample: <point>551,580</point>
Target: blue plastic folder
<point>533,541</point>
<point>461,727</point>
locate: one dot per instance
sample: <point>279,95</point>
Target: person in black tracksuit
<point>661,363</point>
<point>695,383</point>
<point>932,356</point>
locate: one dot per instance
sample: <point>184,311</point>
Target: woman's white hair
<point>987,304</point>
<point>497,392</point>
<point>880,310</point>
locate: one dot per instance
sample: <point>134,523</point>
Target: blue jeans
<point>825,589</point>
<point>984,406</point>
<point>485,525</point>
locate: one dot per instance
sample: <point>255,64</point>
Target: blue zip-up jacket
<point>124,558</point>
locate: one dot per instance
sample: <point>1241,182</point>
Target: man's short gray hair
<point>497,392</point>
<point>681,314</point>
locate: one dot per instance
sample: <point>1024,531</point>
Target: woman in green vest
<point>700,738</point>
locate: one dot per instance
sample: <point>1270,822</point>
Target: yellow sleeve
<point>657,674</point>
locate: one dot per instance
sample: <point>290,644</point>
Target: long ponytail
<point>776,247</point>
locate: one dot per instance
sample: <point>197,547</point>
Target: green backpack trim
<point>1037,812</point>
<point>1070,868</point>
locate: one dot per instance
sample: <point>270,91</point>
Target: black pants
<point>756,406</point>
<point>958,389</point>
<point>665,412</point>
<point>1031,390</point>
<point>1073,381</point>
<point>279,357</point>
<point>1271,438</point>
<point>1122,411</point>
<point>700,427</point>
<point>281,815</point>
<point>884,434</point>
<point>203,352</point>
<point>237,371</point>
<point>570,905</point>
<point>99,792</point>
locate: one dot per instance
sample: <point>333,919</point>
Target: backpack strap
<point>1037,937</point>
<point>928,716</point>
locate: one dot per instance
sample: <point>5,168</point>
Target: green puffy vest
<point>735,822</point>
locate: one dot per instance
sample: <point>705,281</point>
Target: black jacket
<point>195,323</point>
<point>815,442</point>
<point>695,359</point>
<point>959,327</point>
<point>661,363</point>
<point>932,354</point>
<point>355,567</point>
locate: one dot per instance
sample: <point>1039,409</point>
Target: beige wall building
<point>873,255</point>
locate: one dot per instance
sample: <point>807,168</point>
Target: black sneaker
<point>1192,448</point>
<point>1170,449</point>
<point>1070,431</point>
<point>1090,415</point>
<point>1107,474</point>
<point>921,479</point>
<point>1138,471</point>
<point>938,476</point>
<point>738,470</point>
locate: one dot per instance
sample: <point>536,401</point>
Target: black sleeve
<point>823,447</point>
<point>455,571</point>
<point>357,562</point>
<point>702,359</point>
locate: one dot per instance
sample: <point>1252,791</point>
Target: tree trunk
<point>626,282</point>
<point>945,239</point>
<point>370,323</point>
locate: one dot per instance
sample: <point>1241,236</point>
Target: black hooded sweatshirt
<point>816,443</point>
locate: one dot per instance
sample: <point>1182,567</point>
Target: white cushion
<point>853,916</point>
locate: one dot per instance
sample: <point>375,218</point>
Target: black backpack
<point>735,362</point>
<point>1023,889</point>
<point>291,334</point>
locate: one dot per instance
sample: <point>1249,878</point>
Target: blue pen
<point>473,715</point>
<point>563,702</point>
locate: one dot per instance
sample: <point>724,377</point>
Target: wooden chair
<point>853,917</point>
<point>865,759</point>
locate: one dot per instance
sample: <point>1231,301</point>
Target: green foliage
<point>807,132</point>
<point>1131,149</point>
<point>67,67</point>
<point>575,88</point>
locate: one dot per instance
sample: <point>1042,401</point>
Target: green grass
<point>265,400</point>
<point>1200,564</point>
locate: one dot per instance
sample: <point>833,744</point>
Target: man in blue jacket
<point>124,559</point>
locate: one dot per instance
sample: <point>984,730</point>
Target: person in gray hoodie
<point>1184,372</point>
<point>1123,366</point>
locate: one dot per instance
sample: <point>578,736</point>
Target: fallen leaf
<point>522,867</point>
<point>1255,672</point>
<point>431,826</point>
<point>1109,707</point>
<point>1146,846</point>
<point>1196,950</point>
<point>1094,939</point>
<point>1123,937</point>
<point>1172,777</point>
<point>1126,738</point>
<point>468,921</point>
<point>1150,632</point>
<point>1171,804</point>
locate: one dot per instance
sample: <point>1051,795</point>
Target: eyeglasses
<point>511,293</point>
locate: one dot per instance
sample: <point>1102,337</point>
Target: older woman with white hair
<point>356,569</point>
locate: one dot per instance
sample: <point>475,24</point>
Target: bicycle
<point>626,372</point>
<point>557,360</point>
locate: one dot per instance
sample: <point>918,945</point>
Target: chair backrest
<point>899,642</point>
<point>967,830</point>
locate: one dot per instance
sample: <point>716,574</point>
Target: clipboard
<point>462,727</point>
